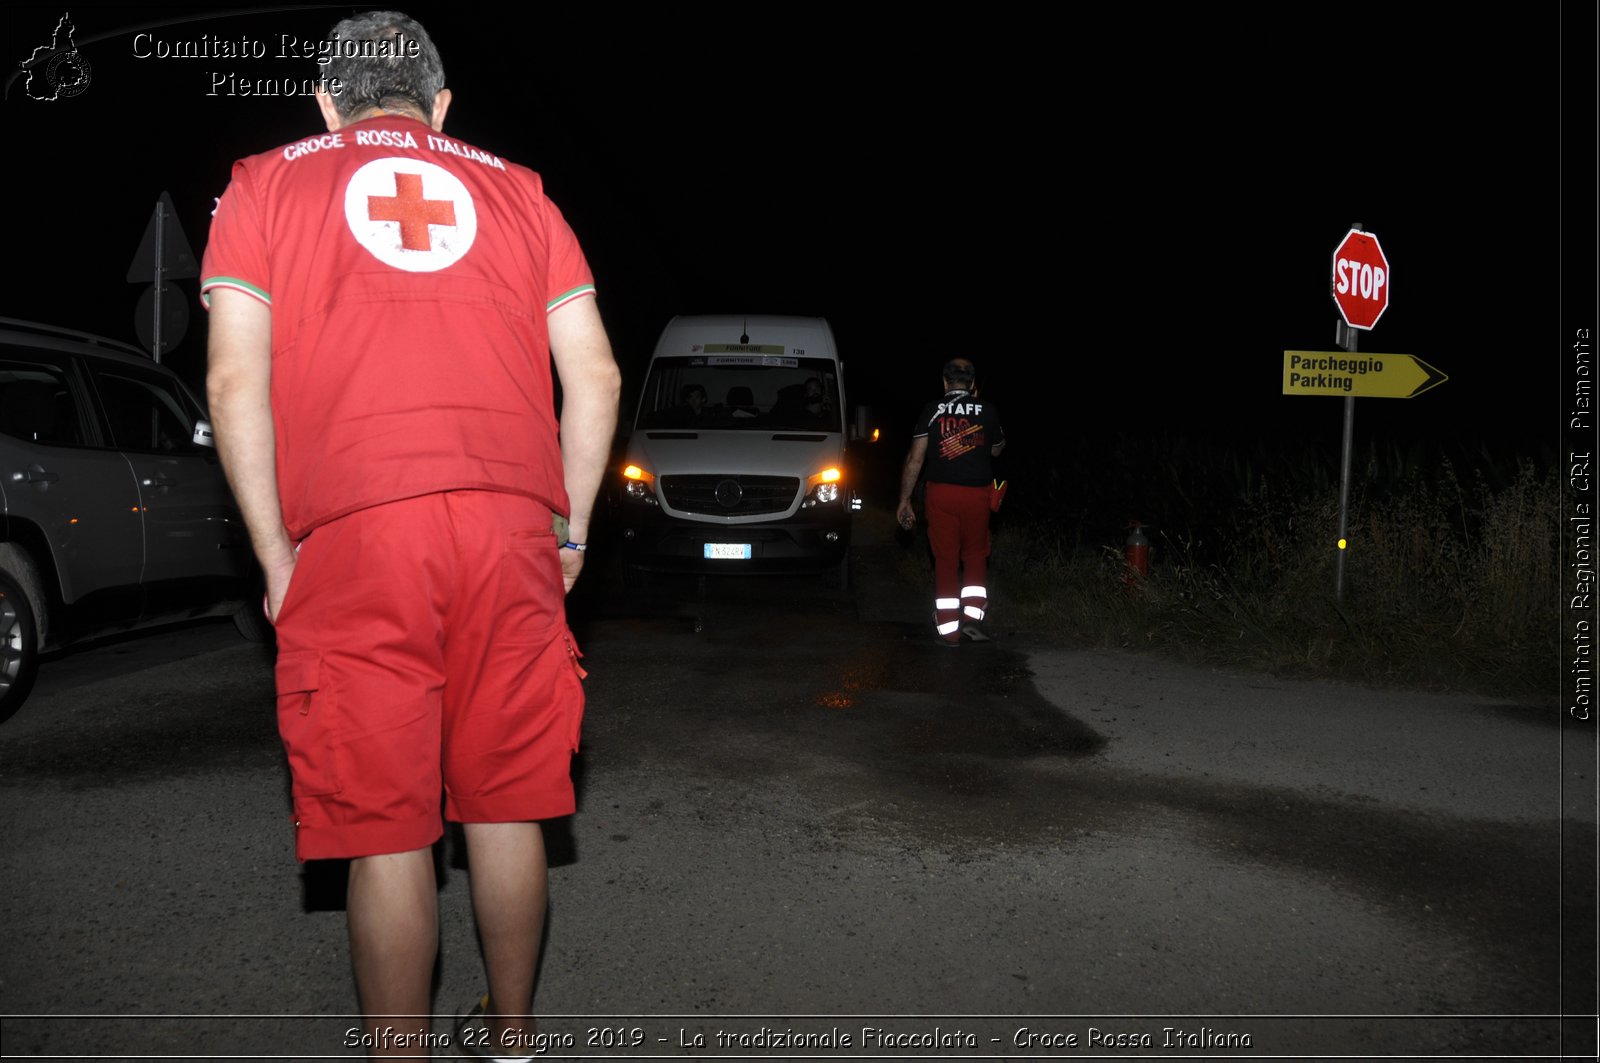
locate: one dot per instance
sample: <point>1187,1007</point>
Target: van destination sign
<point>1371,376</point>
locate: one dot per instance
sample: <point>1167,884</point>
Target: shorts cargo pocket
<point>304,708</point>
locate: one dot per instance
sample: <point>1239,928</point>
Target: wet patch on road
<point>877,716</point>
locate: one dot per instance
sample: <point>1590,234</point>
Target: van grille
<point>730,496</point>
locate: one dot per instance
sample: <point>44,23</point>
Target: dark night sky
<point>1124,220</point>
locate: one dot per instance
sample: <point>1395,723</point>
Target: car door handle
<point>160,481</point>
<point>36,474</point>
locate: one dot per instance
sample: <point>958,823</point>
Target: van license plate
<point>728,551</point>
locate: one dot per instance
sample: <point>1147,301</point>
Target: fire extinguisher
<point>1137,551</point>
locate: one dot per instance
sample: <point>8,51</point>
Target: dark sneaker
<point>975,633</point>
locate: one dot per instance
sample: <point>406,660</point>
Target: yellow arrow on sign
<point>1358,375</point>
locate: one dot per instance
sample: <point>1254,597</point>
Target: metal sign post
<point>1345,294</point>
<point>164,255</point>
<point>1346,338</point>
<point>160,223</point>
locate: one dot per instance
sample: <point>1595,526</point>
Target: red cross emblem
<point>399,230</point>
<point>414,213</point>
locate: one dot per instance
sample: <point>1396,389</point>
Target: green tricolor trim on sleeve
<point>566,297</point>
<point>231,282</point>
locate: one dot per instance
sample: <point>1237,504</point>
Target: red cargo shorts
<point>423,645</point>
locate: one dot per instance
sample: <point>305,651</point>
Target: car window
<point>147,412</point>
<point>37,403</point>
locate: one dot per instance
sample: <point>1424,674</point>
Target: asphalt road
<point>800,816</point>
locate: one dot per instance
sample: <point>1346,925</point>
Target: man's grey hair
<point>392,81</point>
<point>959,373</point>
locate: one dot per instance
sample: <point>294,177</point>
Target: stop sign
<point>1360,279</point>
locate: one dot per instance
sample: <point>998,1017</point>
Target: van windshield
<point>759,392</point>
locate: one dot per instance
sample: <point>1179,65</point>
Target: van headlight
<point>823,487</point>
<point>639,485</point>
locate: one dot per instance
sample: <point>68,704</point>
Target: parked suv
<point>114,513</point>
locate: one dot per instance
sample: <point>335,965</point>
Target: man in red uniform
<point>966,433</point>
<point>385,306</point>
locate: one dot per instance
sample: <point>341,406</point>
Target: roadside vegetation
<point>1451,578</point>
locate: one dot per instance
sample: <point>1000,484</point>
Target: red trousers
<point>958,532</point>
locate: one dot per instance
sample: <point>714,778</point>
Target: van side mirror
<point>203,436</point>
<point>861,425</point>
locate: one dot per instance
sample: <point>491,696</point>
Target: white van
<point>736,461</point>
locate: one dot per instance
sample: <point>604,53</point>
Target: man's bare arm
<point>590,386</point>
<point>239,392</point>
<point>908,480</point>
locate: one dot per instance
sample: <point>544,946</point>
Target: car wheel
<point>19,646</point>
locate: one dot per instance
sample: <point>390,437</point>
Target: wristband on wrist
<point>580,547</point>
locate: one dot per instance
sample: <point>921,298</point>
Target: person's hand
<point>906,515</point>
<point>278,576</point>
<point>571,565</point>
